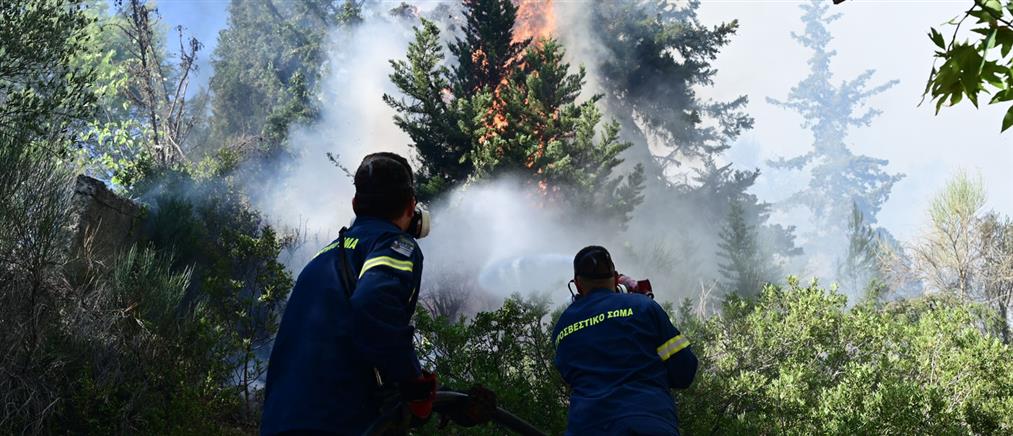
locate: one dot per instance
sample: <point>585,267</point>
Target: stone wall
<point>103,224</point>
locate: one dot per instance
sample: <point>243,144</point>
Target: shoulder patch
<point>403,246</point>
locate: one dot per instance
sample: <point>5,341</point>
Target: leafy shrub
<point>508,350</point>
<point>236,273</point>
<point>794,360</point>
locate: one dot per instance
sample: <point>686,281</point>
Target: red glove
<point>419,394</point>
<point>634,286</point>
<point>629,282</point>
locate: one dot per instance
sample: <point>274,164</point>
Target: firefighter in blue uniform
<point>619,354</point>
<point>345,338</point>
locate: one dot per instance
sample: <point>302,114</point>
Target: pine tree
<point>839,178</point>
<point>265,61</point>
<point>430,114</point>
<point>657,56</point>
<point>860,261</point>
<point>746,266</point>
<point>487,50</point>
<point>540,130</point>
<point>523,119</point>
<point>658,53</point>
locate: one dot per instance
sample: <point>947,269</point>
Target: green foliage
<point>657,53</point>
<point>509,351</point>
<point>43,95</point>
<point>947,258</point>
<point>146,345</point>
<point>501,111</point>
<point>796,361</point>
<point>267,65</point>
<point>42,88</point>
<point>983,65</point>
<point>535,127</point>
<point>488,50</point>
<point>237,276</point>
<point>747,267</point>
<point>439,128</point>
<point>860,264</point>
<point>113,142</point>
<point>35,190</point>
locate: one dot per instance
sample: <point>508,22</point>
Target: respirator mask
<point>419,226</point>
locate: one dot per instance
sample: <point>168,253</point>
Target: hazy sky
<point>763,61</point>
<point>202,19</point>
<point>888,36</point>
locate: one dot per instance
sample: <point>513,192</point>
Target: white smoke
<point>311,194</point>
<point>492,233</point>
<point>499,238</point>
<point>489,239</point>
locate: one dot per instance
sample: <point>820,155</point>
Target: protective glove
<point>635,286</point>
<point>629,282</point>
<point>419,395</point>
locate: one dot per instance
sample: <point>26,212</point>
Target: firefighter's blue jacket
<point>621,355</point>
<point>321,373</point>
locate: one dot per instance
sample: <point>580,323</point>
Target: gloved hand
<point>477,410</point>
<point>629,282</point>
<point>635,286</point>
<point>419,395</point>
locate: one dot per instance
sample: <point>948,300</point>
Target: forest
<point>152,225</point>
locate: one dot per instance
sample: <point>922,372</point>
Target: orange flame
<point>536,19</point>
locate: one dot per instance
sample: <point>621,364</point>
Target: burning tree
<point>501,110</point>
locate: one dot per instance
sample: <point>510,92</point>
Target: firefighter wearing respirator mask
<point>617,350</point>
<point>344,346</point>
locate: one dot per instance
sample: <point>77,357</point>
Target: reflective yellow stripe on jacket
<point>674,345</point>
<point>403,265</point>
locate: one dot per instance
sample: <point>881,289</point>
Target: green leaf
<point>1007,121</point>
<point>985,47</point>
<point>956,97</point>
<point>1001,96</point>
<point>1005,39</point>
<point>928,84</point>
<point>982,15</point>
<point>937,38</point>
<point>993,7</point>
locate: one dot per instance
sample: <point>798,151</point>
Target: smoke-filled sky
<point>763,61</point>
<point>890,37</point>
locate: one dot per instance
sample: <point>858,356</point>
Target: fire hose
<point>445,401</point>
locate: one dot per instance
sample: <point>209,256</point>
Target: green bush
<point>795,360</point>
<point>509,351</point>
<point>236,274</point>
<point>146,362</point>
